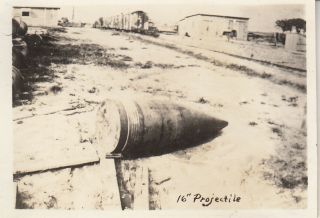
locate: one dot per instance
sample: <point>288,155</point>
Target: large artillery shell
<point>19,28</point>
<point>20,45</point>
<point>153,127</point>
<point>19,53</point>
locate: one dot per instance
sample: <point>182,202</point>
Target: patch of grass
<point>51,203</point>
<point>293,105</point>
<point>218,105</point>
<point>146,65</point>
<point>193,65</point>
<point>202,100</point>
<point>150,64</point>
<point>119,64</point>
<point>275,124</point>
<point>56,49</point>
<point>165,66</point>
<point>127,58</point>
<point>168,66</point>
<point>287,172</point>
<point>243,102</point>
<point>92,90</point>
<point>287,168</point>
<point>72,53</point>
<point>301,87</point>
<point>266,75</point>
<point>55,89</point>
<point>52,30</point>
<point>253,123</point>
<point>293,99</point>
<point>248,71</point>
<point>277,131</point>
<point>22,199</point>
<point>218,63</point>
<point>70,77</point>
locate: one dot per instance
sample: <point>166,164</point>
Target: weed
<point>277,131</point>
<point>55,89</point>
<point>253,123</point>
<point>202,100</point>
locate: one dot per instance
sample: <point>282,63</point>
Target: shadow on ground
<point>56,49</point>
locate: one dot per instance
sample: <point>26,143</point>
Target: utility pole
<point>72,14</point>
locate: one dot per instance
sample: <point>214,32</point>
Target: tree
<point>65,19</point>
<point>101,21</point>
<point>286,24</point>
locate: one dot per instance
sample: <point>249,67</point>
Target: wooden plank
<point>107,166</point>
<point>155,193</point>
<point>96,188</point>
<point>91,187</point>
<point>141,192</point>
<point>126,171</point>
<point>42,169</point>
<point>133,180</point>
<point>75,157</point>
<point>51,142</point>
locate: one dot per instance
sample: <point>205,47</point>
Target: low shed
<point>212,26</point>
<point>37,16</point>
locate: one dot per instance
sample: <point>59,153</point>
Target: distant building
<point>168,29</point>
<point>212,26</point>
<point>37,16</point>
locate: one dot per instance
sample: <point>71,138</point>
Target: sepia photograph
<point>160,106</point>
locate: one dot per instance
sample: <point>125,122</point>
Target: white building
<point>37,16</point>
<point>212,26</point>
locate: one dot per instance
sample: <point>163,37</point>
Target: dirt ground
<point>260,156</point>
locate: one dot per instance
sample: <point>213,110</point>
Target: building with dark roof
<point>37,16</point>
<point>207,26</point>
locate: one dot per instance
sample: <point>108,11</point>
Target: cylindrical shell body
<point>19,28</point>
<point>152,127</point>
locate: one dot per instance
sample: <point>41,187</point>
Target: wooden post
<point>15,191</point>
<point>141,192</point>
<point>109,169</point>
<point>133,181</point>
